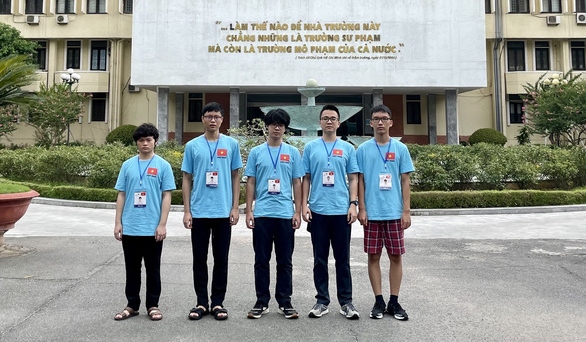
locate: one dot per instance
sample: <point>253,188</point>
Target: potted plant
<point>14,201</point>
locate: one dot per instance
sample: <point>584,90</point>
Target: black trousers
<point>137,248</point>
<point>221,232</point>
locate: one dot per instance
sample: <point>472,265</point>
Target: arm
<point>120,199</point>
<point>234,214</point>
<point>186,192</point>
<point>305,212</point>
<point>353,185</point>
<point>297,196</point>
<point>361,203</point>
<point>250,187</point>
<point>161,232</point>
<point>406,192</point>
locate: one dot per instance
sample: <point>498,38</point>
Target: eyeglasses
<point>383,119</point>
<point>212,117</point>
<point>326,119</point>
<point>274,125</point>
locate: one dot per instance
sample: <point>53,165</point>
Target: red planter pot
<point>13,207</point>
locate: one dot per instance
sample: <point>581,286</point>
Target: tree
<point>12,43</point>
<point>15,73</point>
<point>58,107</point>
<point>556,107</point>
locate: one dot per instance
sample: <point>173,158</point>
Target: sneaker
<point>378,310</point>
<point>318,310</point>
<point>349,311</point>
<point>397,311</point>
<point>258,310</point>
<point>288,311</point>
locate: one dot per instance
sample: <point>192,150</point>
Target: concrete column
<point>452,117</point>
<point>234,107</point>
<point>377,97</point>
<point>243,109</point>
<point>162,113</point>
<point>179,109</point>
<point>431,119</point>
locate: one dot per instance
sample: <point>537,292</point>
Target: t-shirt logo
<point>338,153</point>
<point>222,153</point>
<point>152,171</point>
<point>285,158</point>
<point>390,156</point>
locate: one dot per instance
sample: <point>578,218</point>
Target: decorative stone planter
<point>12,208</point>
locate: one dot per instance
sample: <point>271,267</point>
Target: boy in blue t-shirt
<point>144,198</point>
<point>384,208</point>
<point>274,171</point>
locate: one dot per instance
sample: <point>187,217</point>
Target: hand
<point>249,220</point>
<point>406,220</point>
<point>187,220</point>
<point>296,220</point>
<point>352,215</point>
<point>234,216</point>
<point>362,218</point>
<point>118,231</point>
<point>160,233</point>
<point>306,214</point>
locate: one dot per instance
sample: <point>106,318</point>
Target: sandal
<point>126,313</point>
<point>197,313</point>
<point>155,314</point>
<point>220,313</point>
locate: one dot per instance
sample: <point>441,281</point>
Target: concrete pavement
<point>490,277</point>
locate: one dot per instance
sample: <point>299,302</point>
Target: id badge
<point>212,179</point>
<point>385,181</point>
<point>140,199</point>
<point>274,186</point>
<point>327,178</point>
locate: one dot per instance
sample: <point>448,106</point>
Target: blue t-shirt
<point>337,157</point>
<point>383,204</point>
<point>220,157</point>
<point>260,165</point>
<point>142,207</point>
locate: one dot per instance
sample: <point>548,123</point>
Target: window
<point>127,6</point>
<point>99,55</point>
<point>96,6</point>
<point>413,103</point>
<point>98,107</point>
<point>578,62</point>
<point>516,56</point>
<point>515,109</point>
<point>487,8</point>
<point>541,55</point>
<point>519,6</point>
<point>34,7</point>
<point>42,54</point>
<point>551,6</point>
<point>580,5</point>
<point>194,107</point>
<point>65,6</point>
<point>5,7</point>
<point>73,55</point>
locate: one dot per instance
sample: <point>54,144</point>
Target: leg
<point>200,240</point>
<point>395,273</point>
<point>320,240</point>
<point>221,235</point>
<point>284,244</point>
<point>340,235</point>
<point>133,265</point>
<point>152,264</point>
<point>374,273</point>
<point>262,241</point>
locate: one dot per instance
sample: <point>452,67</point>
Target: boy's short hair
<point>381,108</point>
<point>212,107</point>
<point>145,130</point>
<point>277,116</point>
<point>330,107</point>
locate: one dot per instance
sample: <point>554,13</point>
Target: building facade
<point>445,69</point>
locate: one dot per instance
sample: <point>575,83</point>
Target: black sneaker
<point>378,310</point>
<point>258,310</point>
<point>397,311</point>
<point>288,311</point>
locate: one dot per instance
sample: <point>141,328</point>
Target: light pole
<point>69,78</point>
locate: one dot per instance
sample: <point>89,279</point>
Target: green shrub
<point>122,134</point>
<point>489,136</point>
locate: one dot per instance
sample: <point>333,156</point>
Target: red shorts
<point>388,232</point>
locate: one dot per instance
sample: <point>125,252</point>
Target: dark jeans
<point>268,230</point>
<point>334,229</point>
<point>221,232</point>
<point>137,248</point>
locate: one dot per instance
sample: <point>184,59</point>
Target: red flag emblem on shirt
<point>285,158</point>
<point>391,156</point>
<point>222,152</point>
<point>337,152</point>
<point>152,171</point>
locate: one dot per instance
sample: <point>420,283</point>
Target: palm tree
<point>16,73</point>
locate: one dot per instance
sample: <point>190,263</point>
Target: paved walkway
<point>489,277</point>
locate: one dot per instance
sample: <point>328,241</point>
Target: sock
<point>394,299</point>
<point>379,299</point>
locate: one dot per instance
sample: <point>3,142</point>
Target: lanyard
<point>274,161</point>
<point>381,154</point>
<point>141,174</point>
<point>212,153</point>
<point>326,147</point>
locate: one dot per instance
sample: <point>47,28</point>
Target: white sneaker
<point>318,310</point>
<point>349,311</point>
